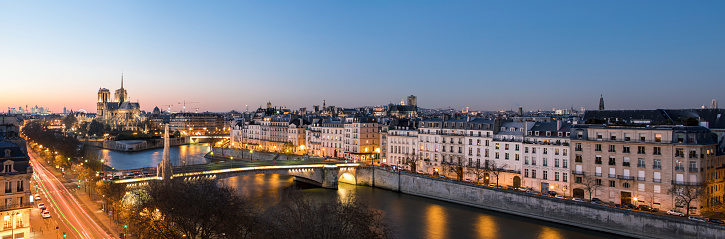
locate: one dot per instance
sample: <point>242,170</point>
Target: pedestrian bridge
<point>326,175</point>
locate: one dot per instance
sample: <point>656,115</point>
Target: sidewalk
<point>92,206</point>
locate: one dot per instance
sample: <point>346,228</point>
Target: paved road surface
<point>64,208</point>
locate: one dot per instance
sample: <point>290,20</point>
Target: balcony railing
<point>657,180</point>
<point>577,172</point>
<point>693,170</point>
<point>598,174</point>
<point>679,168</point>
<point>625,177</point>
<point>612,175</point>
<point>15,206</point>
<point>625,164</point>
<point>641,179</point>
<point>686,183</point>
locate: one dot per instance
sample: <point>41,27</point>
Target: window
<point>8,187</point>
<point>693,166</point>
<point>640,163</point>
<point>564,152</point>
<point>506,156</point>
<point>612,136</point>
<point>658,137</point>
<point>506,146</point>
<point>599,136</point>
<point>612,183</point>
<point>546,162</point>
<point>612,161</point>
<point>679,152</point>
<point>546,151</point>
<point>598,159</point>
<point>526,173</point>
<point>486,153</point>
<point>564,177</point>
<point>556,163</point>
<point>20,186</point>
<point>679,166</point>
<point>566,164</point>
<point>546,175</point>
<point>517,147</point>
<point>526,160</point>
<point>533,160</point>
<point>612,148</point>
<point>625,162</point>
<point>657,151</point>
<point>578,158</point>
<point>517,157</point>
<point>533,173</point>
<point>533,150</point>
<point>598,147</point>
<point>625,185</point>
<point>556,176</point>
<point>625,149</point>
<point>578,147</point>
<point>470,141</point>
<point>693,153</point>
<point>577,180</point>
<point>598,182</point>
<point>640,150</point>
<point>526,150</point>
<point>496,146</point>
<point>657,164</point>
<point>496,155</point>
<point>680,138</point>
<point>626,137</point>
<point>642,137</point>
<point>640,187</point>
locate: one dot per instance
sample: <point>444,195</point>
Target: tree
<point>590,185</point>
<point>299,217</point>
<point>69,121</point>
<point>412,161</point>
<point>495,169</point>
<point>454,167</point>
<point>477,170</point>
<point>685,194</point>
<point>96,128</point>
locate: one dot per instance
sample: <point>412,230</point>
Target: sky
<point>486,55</point>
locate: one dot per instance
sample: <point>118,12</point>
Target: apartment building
<point>333,132</point>
<point>429,145</point>
<point>546,152</point>
<point>638,165</point>
<point>361,138</point>
<point>15,176</point>
<point>402,139</point>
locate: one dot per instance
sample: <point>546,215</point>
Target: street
<point>66,212</point>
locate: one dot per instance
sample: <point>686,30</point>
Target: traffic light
<point>64,235</point>
<point>125,225</point>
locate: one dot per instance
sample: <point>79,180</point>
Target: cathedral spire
<point>601,102</point>
<point>121,80</point>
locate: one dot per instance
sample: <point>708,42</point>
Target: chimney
<point>558,124</point>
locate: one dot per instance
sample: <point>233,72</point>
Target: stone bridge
<point>322,175</point>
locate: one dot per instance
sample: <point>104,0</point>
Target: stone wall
<point>596,217</point>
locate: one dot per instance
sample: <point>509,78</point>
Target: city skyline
<point>486,56</point>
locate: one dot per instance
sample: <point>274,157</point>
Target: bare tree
<point>455,167</point>
<point>590,184</point>
<point>685,194</point>
<point>494,169</point>
<point>412,161</point>
<point>477,171</point>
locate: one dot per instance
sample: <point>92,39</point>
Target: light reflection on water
<point>188,154</point>
<point>416,217</point>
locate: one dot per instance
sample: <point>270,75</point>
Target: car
<point>577,200</point>
<point>596,203</point>
<point>675,213</point>
<point>620,206</point>
<point>37,197</point>
<point>441,176</point>
<point>696,218</point>
<point>493,185</point>
<point>383,165</point>
<point>644,208</point>
<point>523,189</point>
<point>46,214</point>
<point>559,196</point>
<point>715,220</point>
<point>629,206</point>
<point>596,200</point>
<point>468,180</point>
<point>41,206</point>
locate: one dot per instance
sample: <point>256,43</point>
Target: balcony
<point>15,206</point>
<point>625,177</point>
<point>686,183</point>
<point>612,175</point>
<point>679,168</point>
<point>641,179</point>
<point>577,172</point>
<point>657,180</point>
<point>578,149</point>
<point>693,170</point>
<point>625,164</point>
<point>598,174</point>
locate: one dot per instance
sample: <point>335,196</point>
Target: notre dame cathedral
<point>119,113</point>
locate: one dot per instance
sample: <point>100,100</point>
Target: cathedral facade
<point>118,112</point>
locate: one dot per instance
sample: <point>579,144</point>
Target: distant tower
<point>713,105</point>
<point>323,105</point>
<point>601,102</point>
<point>269,105</point>
<point>413,100</point>
<point>121,94</point>
<point>521,110</point>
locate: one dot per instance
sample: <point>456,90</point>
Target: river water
<point>410,216</point>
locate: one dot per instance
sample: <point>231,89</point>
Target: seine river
<point>410,216</point>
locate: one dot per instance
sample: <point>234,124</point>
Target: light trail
<point>79,220</point>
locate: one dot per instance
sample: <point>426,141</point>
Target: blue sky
<point>486,55</point>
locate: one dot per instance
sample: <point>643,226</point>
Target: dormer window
<point>8,168</point>
<point>7,153</point>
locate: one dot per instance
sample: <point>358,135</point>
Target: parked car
<point>644,208</point>
<point>441,176</point>
<point>559,196</point>
<point>596,200</point>
<point>523,189</point>
<point>620,206</point>
<point>41,206</point>
<point>577,200</point>
<point>467,180</point>
<point>493,185</point>
<point>629,205</point>
<point>696,218</point>
<point>37,197</point>
<point>597,203</point>
<point>714,220</point>
<point>675,213</point>
<point>46,214</point>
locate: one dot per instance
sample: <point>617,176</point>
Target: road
<point>72,219</point>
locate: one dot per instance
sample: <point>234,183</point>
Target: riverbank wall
<point>136,145</point>
<point>226,153</point>
<point>596,217</point>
